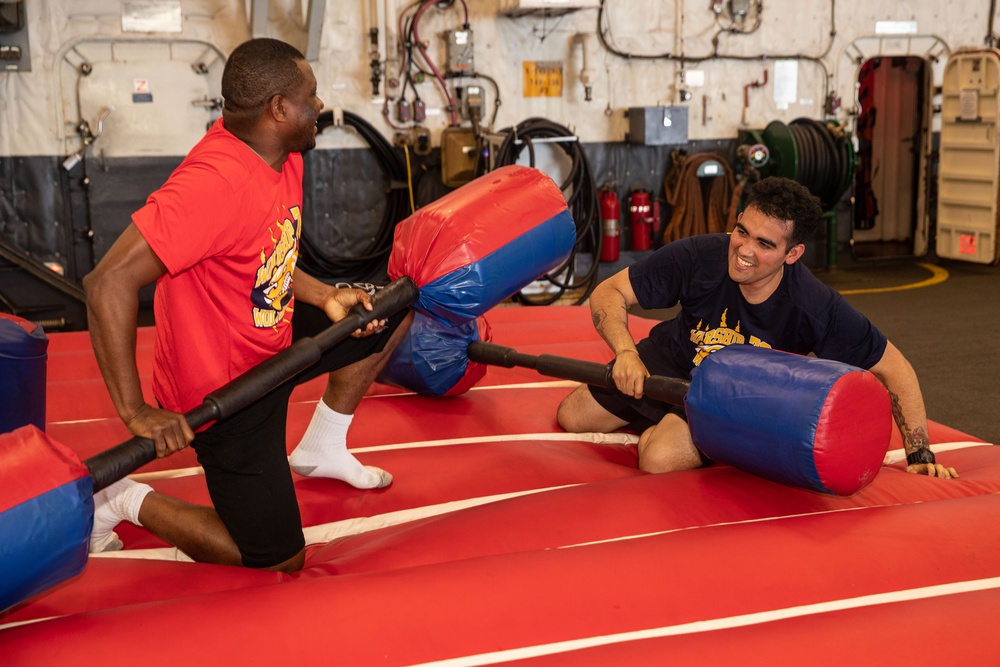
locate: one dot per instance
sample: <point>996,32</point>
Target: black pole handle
<point>115,463</point>
<point>667,390</point>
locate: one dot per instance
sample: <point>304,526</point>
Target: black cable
<point>581,198</point>
<point>373,259</point>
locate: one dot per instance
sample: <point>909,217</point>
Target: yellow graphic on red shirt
<point>709,339</point>
<point>272,290</point>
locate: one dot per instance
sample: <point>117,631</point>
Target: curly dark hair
<point>258,70</point>
<point>784,199</point>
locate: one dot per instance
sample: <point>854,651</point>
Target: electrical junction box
<point>460,54</point>
<point>739,9</point>
<point>657,126</point>
<point>545,7</point>
<point>15,53</point>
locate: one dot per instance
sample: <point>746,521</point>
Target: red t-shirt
<point>226,226</point>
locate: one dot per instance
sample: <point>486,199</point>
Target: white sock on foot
<point>322,452</point>
<point>112,505</point>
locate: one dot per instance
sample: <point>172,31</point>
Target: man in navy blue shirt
<point>743,288</point>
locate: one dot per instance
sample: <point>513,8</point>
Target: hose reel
<point>809,151</point>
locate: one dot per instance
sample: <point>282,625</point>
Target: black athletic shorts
<point>643,412</point>
<point>245,459</point>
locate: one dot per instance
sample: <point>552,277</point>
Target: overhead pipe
<point>746,97</point>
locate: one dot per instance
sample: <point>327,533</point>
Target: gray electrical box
<point>657,126</point>
<point>460,52</point>
<point>739,9</point>
<point>15,53</point>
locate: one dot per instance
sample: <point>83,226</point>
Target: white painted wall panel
<point>38,116</point>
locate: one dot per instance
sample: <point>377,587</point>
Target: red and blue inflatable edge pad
<point>805,422</point>
<point>477,245</point>
<point>46,514</point>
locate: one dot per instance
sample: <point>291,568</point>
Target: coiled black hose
<point>581,197</point>
<point>372,261</point>
<point>824,160</point>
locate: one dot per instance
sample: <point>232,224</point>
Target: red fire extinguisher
<point>641,219</point>
<point>610,224</point>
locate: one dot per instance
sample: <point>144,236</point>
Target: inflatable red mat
<point>504,540</point>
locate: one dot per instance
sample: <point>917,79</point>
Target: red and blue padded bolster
<point>801,421</point>
<point>23,354</point>
<point>477,245</point>
<point>432,357</point>
<point>46,514</point>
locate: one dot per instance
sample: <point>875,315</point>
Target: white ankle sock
<point>322,452</point>
<point>118,502</point>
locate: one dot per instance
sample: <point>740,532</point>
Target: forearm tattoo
<point>913,439</point>
<point>600,316</point>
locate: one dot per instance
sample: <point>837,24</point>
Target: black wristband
<point>922,455</point>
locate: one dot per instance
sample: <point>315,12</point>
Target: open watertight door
<point>968,179</point>
<point>890,214</point>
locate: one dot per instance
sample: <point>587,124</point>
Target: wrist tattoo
<point>918,438</point>
<point>914,440</point>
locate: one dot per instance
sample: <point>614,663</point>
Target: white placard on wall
<point>786,82</point>
<point>158,16</point>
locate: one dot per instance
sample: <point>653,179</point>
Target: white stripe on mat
<point>897,455</point>
<point>892,456</point>
<point>325,532</point>
<point>597,438</point>
<point>489,387</point>
<point>742,620</point>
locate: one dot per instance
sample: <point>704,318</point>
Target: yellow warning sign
<point>543,78</point>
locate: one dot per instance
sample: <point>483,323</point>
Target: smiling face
<point>759,248</point>
<point>302,107</point>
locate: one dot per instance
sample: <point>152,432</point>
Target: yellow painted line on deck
<point>938,275</point>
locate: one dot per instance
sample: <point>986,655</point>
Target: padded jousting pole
<point>115,463</point>
<point>667,390</point>
<point>812,423</point>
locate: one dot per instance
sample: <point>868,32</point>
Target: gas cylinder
<point>641,219</point>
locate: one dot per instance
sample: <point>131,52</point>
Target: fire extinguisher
<point>641,219</point>
<point>610,224</point>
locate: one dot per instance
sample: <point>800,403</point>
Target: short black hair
<point>785,199</point>
<point>258,70</point>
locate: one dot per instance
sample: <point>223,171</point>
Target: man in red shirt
<point>221,239</point>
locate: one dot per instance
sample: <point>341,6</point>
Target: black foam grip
<point>667,390</point>
<point>386,302</point>
<point>109,466</point>
<point>263,378</point>
<point>495,355</point>
<point>112,464</point>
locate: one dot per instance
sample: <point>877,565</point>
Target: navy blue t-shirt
<point>802,316</point>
